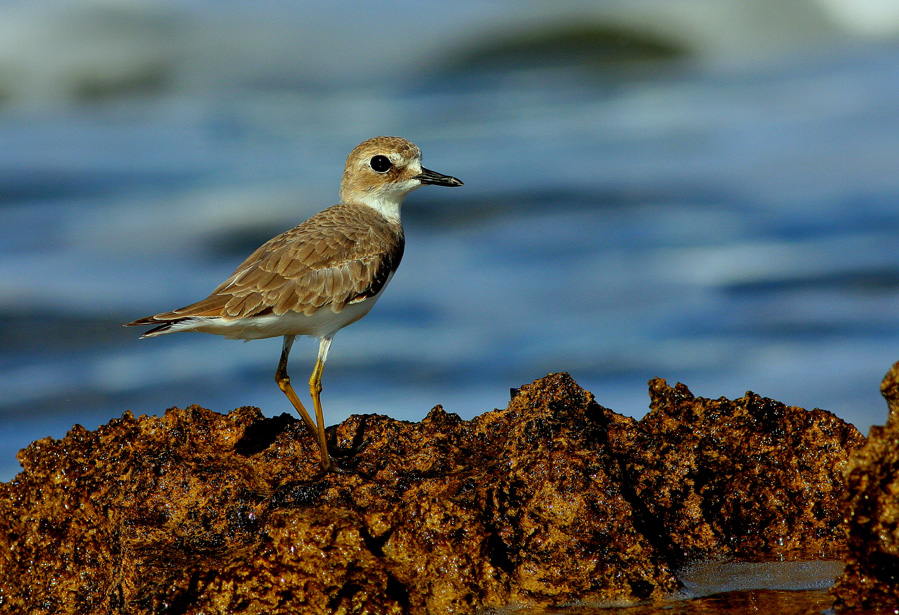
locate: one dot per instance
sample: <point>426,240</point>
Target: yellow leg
<point>283,381</point>
<point>315,388</point>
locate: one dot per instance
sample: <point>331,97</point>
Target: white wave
<point>63,51</point>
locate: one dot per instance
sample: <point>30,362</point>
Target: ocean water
<point>727,221</point>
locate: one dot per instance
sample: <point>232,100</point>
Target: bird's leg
<point>283,381</point>
<point>315,388</point>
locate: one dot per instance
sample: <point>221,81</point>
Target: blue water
<point>728,223</point>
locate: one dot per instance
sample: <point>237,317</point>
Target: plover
<point>320,276</point>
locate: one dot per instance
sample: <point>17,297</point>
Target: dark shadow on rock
<point>262,434</point>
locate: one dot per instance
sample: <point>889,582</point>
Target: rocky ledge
<point>871,578</point>
<point>552,500</point>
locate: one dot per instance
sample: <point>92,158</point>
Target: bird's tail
<point>162,326</point>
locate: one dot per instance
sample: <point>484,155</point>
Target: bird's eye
<point>380,164</point>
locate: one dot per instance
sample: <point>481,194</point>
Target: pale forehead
<point>392,147</point>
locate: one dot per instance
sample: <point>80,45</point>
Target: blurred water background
<point>704,191</point>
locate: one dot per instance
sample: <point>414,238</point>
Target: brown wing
<point>339,256</point>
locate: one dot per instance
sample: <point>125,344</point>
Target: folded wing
<point>339,256</point>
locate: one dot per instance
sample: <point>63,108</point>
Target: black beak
<point>436,179</point>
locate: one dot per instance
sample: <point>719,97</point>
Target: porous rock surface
<point>744,478</point>
<point>870,580</point>
<point>552,500</point>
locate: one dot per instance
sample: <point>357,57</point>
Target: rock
<point>744,478</point>
<point>552,500</point>
<point>870,580</point>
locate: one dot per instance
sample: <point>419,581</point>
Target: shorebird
<point>320,276</point>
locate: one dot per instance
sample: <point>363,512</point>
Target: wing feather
<point>339,256</point>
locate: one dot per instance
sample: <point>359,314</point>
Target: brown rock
<point>871,577</point>
<point>748,477</point>
<point>551,500</point>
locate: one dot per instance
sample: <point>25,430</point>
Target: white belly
<point>323,323</point>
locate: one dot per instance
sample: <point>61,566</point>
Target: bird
<point>320,276</point>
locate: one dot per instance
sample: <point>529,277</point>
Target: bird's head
<point>381,171</point>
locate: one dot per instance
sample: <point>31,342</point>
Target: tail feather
<point>149,320</point>
<point>162,326</point>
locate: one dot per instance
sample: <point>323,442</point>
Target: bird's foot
<point>345,459</point>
